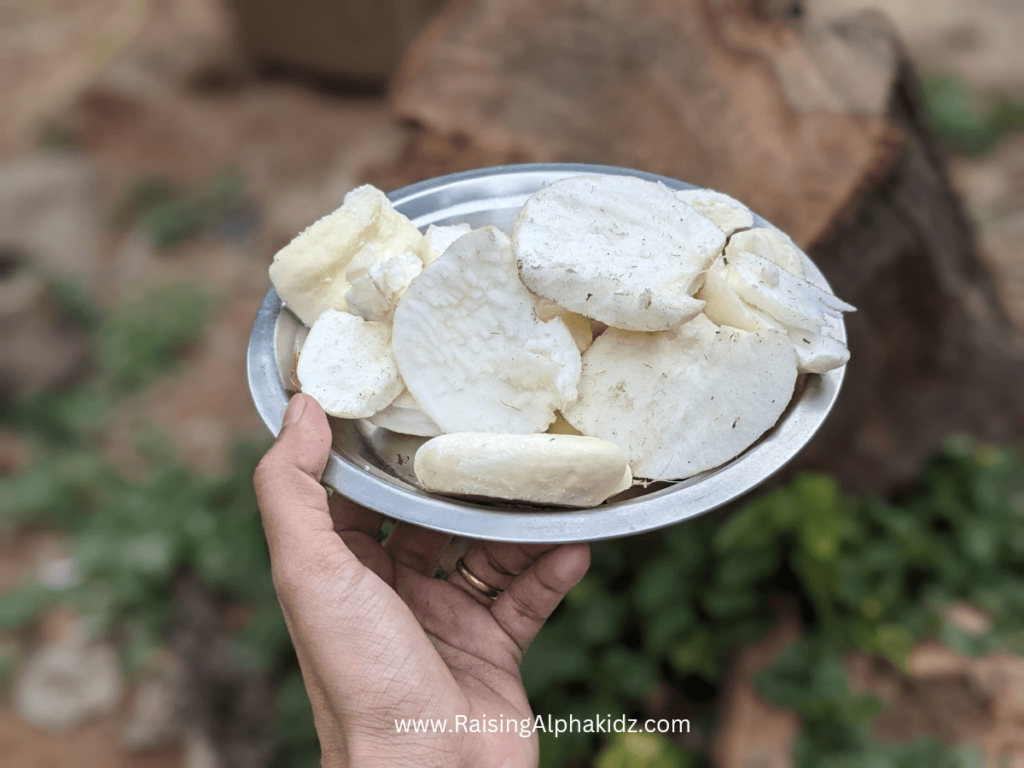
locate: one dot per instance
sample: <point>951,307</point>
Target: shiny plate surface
<point>373,466</point>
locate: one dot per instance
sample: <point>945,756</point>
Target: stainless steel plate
<point>373,466</point>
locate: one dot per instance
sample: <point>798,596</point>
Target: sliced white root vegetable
<point>728,214</point>
<point>309,272</point>
<point>377,285</point>
<point>438,239</point>
<point>723,307</point>
<point>617,249</point>
<point>768,243</point>
<point>816,350</point>
<point>685,400</point>
<point>406,417</point>
<point>471,349</point>
<point>780,294</point>
<point>564,470</point>
<point>562,427</point>
<point>346,365</point>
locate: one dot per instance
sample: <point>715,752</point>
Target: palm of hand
<point>380,640</point>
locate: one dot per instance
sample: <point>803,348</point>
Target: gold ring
<point>480,586</point>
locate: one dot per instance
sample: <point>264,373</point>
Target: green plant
<point>967,122</point>
<point>173,216</point>
<point>661,610</point>
<point>867,574</point>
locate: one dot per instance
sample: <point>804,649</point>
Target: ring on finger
<point>476,583</point>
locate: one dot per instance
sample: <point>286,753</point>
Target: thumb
<point>291,500</point>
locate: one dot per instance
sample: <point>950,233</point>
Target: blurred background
<point>865,610</point>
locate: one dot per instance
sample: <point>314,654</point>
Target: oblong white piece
<point>685,400</point>
<point>309,272</point>
<point>563,470</point>
<point>618,249</point>
<point>346,365</point>
<point>471,349</point>
<point>727,213</point>
<point>406,417</point>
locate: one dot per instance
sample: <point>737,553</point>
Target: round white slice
<point>346,365</point>
<point>685,400</point>
<point>471,349</point>
<point>564,470</point>
<point>406,417</point>
<point>728,213</point>
<point>621,250</point>
<point>768,243</point>
<point>309,272</point>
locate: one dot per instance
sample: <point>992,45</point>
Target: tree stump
<point>817,126</point>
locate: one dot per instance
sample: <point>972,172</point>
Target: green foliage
<point>132,538</point>
<point>660,610</point>
<point>642,750</point>
<point>867,574</point>
<point>143,338</point>
<point>173,216</point>
<point>966,122</point>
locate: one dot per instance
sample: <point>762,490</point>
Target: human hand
<point>379,639</point>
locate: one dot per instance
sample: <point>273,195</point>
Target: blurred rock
<point>63,685</point>
<point>958,698</point>
<point>48,215</point>
<point>751,733</point>
<point>49,230</point>
<point>156,706</point>
<point>818,125</point>
<point>361,40</point>
<point>967,618</point>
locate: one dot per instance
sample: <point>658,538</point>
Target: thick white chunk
<point>438,239</point>
<point>309,272</point>
<point>377,285</point>
<point>727,213</point>
<point>617,249</point>
<point>685,400</point>
<point>769,244</point>
<point>347,366</point>
<point>471,349</point>
<point>405,416</point>
<point>564,470</point>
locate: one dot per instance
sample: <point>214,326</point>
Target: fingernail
<point>294,411</point>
